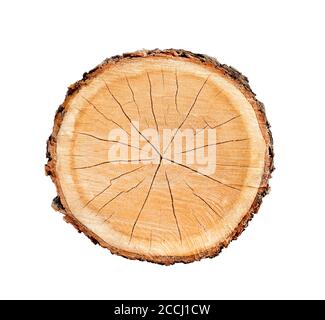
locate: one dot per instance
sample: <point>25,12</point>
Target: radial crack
<point>208,205</point>
<point>202,174</point>
<point>134,187</point>
<point>151,102</point>
<point>84,112</point>
<point>188,113</point>
<point>202,199</point>
<point>223,123</point>
<point>103,115</point>
<point>97,195</point>
<point>216,126</point>
<point>115,197</point>
<point>112,161</point>
<point>110,183</point>
<point>133,96</point>
<point>236,166</point>
<point>163,78</point>
<point>244,186</point>
<point>145,201</point>
<point>215,144</point>
<point>109,217</point>
<point>173,207</point>
<point>128,118</point>
<point>107,140</point>
<point>198,221</point>
<point>109,201</point>
<point>176,93</point>
<point>150,241</point>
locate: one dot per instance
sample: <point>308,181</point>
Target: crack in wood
<point>84,112</point>
<point>109,201</point>
<point>107,140</point>
<point>176,93</point>
<point>188,113</point>
<point>202,174</point>
<point>145,201</point>
<point>216,126</point>
<point>128,118</point>
<point>163,78</point>
<point>133,96</point>
<point>198,221</point>
<point>244,186</point>
<point>219,207</point>
<point>97,195</point>
<point>202,199</point>
<point>116,196</point>
<point>151,102</point>
<point>112,161</point>
<point>109,217</point>
<point>102,114</point>
<point>223,123</point>
<point>126,173</point>
<point>134,187</point>
<point>150,240</point>
<point>236,166</point>
<point>173,207</point>
<point>215,144</point>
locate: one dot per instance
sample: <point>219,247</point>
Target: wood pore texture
<point>153,205</point>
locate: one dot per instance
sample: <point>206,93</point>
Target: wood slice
<point>160,155</point>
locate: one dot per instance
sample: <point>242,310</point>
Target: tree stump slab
<point>160,155</point>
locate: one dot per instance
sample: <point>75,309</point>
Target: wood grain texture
<point>177,199</point>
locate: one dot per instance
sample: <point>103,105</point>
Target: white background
<point>279,45</point>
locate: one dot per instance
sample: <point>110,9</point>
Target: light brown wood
<point>176,199</point>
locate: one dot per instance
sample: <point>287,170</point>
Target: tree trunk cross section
<point>160,155</point>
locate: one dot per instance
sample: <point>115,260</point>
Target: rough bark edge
<point>239,80</point>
